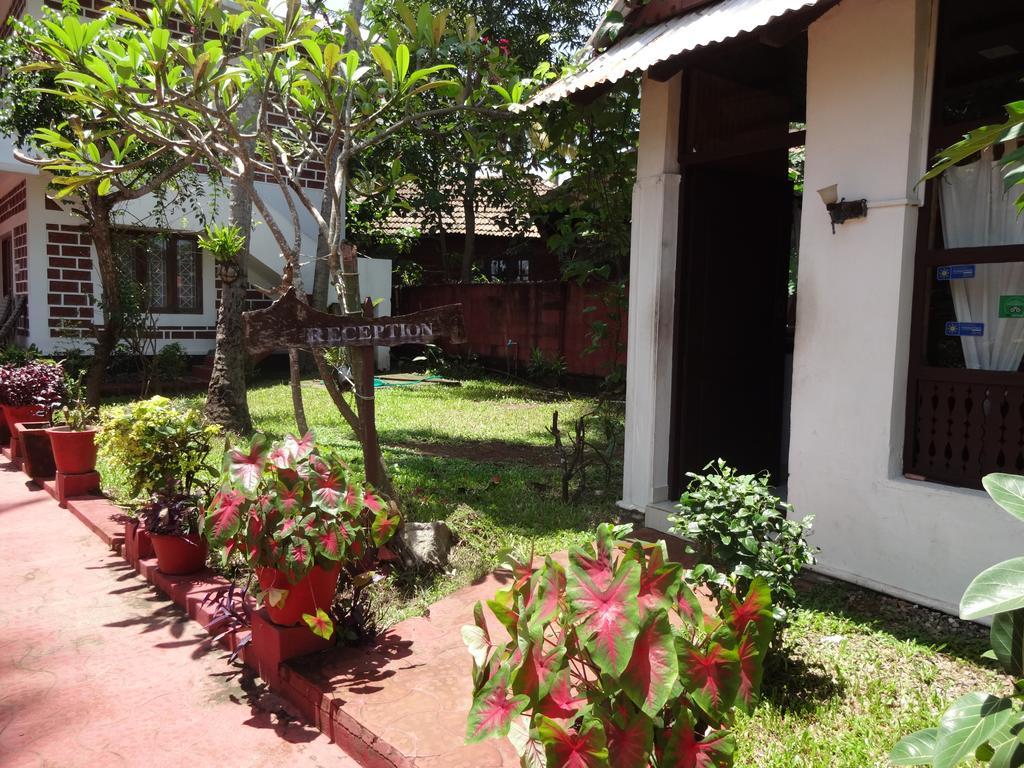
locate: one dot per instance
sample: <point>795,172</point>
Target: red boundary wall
<point>550,316</point>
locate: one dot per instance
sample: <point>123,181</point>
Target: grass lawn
<point>859,670</point>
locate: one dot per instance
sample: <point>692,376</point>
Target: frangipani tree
<point>258,91</point>
<point>32,114</point>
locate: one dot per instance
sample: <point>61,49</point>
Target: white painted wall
<point>867,107</point>
<point>868,90</point>
<point>265,270</point>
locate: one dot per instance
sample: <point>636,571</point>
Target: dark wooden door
<point>731,320</point>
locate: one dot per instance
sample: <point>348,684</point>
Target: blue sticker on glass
<point>965,329</point>
<point>955,272</point>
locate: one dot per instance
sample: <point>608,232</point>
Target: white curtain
<point>977,211</point>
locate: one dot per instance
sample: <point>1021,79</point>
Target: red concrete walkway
<point>99,669</point>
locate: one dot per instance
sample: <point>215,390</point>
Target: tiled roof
<point>491,220</point>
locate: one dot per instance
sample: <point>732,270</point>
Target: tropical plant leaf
<point>659,589</point>
<point>995,590</point>
<point>653,668</point>
<point>329,544</point>
<point>300,448</point>
<point>971,721</point>
<point>276,597</point>
<point>609,617</point>
<point>684,750</point>
<point>1007,491</point>
<point>561,703</point>
<point>630,741</point>
<point>477,638</point>
<point>583,748</point>
<point>328,490</point>
<point>478,642</point>
<point>384,527</point>
<point>749,654</point>
<point>916,749</point>
<point>1007,638</point>
<point>1008,753</point>
<point>550,594</point>
<point>529,748</point>
<point>537,673</point>
<point>711,676</point>
<point>756,609</point>
<point>224,517</point>
<point>503,605</point>
<point>494,708</point>
<point>320,623</point>
<point>245,469</point>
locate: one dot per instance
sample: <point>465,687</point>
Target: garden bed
<point>860,670</point>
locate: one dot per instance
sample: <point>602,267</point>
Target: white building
<point>880,407</point>
<point>46,256</point>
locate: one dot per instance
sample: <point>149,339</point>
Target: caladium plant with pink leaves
<point>613,662</point>
<point>293,506</point>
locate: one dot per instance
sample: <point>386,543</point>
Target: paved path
<point>99,669</point>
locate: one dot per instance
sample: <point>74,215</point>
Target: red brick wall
<point>13,202</point>
<point>70,289</point>
<point>71,293</point>
<point>549,316</point>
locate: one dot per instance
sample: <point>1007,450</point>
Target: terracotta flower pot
<point>176,555</point>
<point>74,453</point>
<point>36,451</point>
<point>315,590</point>
<point>18,414</point>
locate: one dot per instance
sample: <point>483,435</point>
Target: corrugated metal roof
<point>641,51</point>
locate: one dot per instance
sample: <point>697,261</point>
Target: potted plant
<point>73,433</point>
<point>174,524</point>
<point>225,243</point>
<point>36,451</point>
<point>614,661</point>
<point>162,451</point>
<point>27,392</point>
<point>292,513</point>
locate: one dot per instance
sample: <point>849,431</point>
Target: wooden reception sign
<point>290,323</point>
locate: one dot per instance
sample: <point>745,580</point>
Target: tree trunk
<point>226,401</point>
<point>98,212</point>
<point>322,267</point>
<point>295,377</point>
<point>469,208</point>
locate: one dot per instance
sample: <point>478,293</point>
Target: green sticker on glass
<point>1011,306</point>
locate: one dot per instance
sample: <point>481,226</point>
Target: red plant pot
<point>177,555</point>
<point>74,453</point>
<point>315,590</point>
<point>36,451</point>
<point>18,414</point>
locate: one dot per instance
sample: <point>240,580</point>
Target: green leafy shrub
<point>15,356</point>
<point>980,726</point>
<point>740,530</point>
<point>293,506</point>
<point>163,449</point>
<point>540,368</point>
<point>612,662</point>
<point>171,362</point>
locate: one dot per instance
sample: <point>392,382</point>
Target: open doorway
<point>6,265</point>
<point>741,131</point>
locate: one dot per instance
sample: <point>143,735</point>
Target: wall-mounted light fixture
<point>841,210</point>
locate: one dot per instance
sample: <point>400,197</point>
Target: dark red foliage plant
<point>37,383</point>
<point>613,662</point>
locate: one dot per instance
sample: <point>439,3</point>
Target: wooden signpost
<point>292,324</point>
